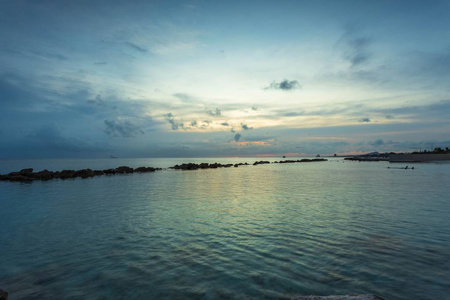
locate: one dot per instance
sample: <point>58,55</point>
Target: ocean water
<point>254,232</point>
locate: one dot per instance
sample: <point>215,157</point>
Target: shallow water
<point>266,231</point>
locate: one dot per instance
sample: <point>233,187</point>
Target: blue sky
<point>233,78</point>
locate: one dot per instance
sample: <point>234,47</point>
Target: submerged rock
<point>340,297</point>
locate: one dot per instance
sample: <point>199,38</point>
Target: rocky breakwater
<point>27,175</point>
<point>300,160</point>
<point>261,162</point>
<point>193,166</point>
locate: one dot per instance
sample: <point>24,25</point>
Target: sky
<point>91,79</point>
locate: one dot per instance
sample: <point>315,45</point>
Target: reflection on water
<point>269,231</point>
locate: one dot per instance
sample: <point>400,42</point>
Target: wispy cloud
<point>136,47</point>
<point>99,102</point>
<point>355,46</point>
<point>216,112</point>
<point>119,128</point>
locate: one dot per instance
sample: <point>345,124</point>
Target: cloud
<point>364,120</point>
<point>216,112</point>
<point>252,143</point>
<point>254,108</point>
<point>174,123</point>
<point>237,137</point>
<point>355,47</point>
<point>377,142</point>
<point>285,85</point>
<point>99,102</point>
<point>225,124</point>
<point>136,47</point>
<point>118,128</point>
<point>389,117</point>
<point>51,137</point>
<point>245,126</point>
<point>101,63</point>
<point>48,55</point>
<point>184,97</point>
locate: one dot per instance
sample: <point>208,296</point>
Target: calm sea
<point>254,232</point>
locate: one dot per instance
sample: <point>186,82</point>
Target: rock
<point>66,174</point>
<point>20,178</point>
<point>261,162</point>
<point>26,172</point>
<point>340,297</point>
<point>84,173</point>
<point>144,169</point>
<point>27,175</point>
<point>109,171</point>
<point>124,170</point>
<point>3,295</point>
<point>99,172</point>
<point>43,175</point>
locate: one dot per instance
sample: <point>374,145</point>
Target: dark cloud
<point>245,126</point>
<point>377,142</point>
<point>254,108</point>
<point>118,128</point>
<point>174,123</point>
<point>237,137</point>
<point>136,47</point>
<point>285,85</point>
<point>216,112</point>
<point>194,123</point>
<point>51,138</point>
<point>225,124</point>
<point>389,117</point>
<point>364,120</point>
<point>99,102</point>
<point>355,46</point>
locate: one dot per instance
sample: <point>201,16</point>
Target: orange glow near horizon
<point>254,143</point>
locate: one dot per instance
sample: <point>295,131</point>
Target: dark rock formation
<point>300,160</point>
<point>42,175</point>
<point>193,166</point>
<point>26,172</point>
<point>261,162</point>
<point>27,175</point>
<point>342,297</point>
<point>3,295</point>
<point>145,169</point>
<point>240,164</point>
<point>124,170</point>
